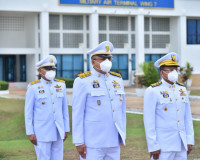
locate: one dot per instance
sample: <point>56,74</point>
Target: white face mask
<point>173,76</point>
<point>106,65</point>
<point>50,75</point>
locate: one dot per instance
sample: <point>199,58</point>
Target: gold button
<point>53,103</point>
<point>169,86</point>
<point>173,89</point>
<point>182,98</point>
<point>178,120</point>
<point>54,120</point>
<point>51,82</point>
<point>177,109</point>
<point>113,110</point>
<point>49,85</point>
<point>51,93</point>
<point>179,131</point>
<point>107,75</point>
<point>177,99</point>
<point>174,86</point>
<point>114,121</point>
<point>105,79</point>
<point>109,89</point>
<point>111,99</point>
<point>99,75</point>
<point>54,111</point>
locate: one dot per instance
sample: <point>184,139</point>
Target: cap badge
<point>174,58</point>
<point>107,48</point>
<point>51,60</point>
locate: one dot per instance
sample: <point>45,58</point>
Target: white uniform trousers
<point>173,155</point>
<point>50,150</point>
<point>110,153</point>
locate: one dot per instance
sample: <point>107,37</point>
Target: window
<point>68,31</point>
<point>88,62</point>
<point>133,62</point>
<point>193,31</point>
<point>69,66</point>
<point>1,68</point>
<point>117,30</point>
<point>153,57</point>
<point>157,32</point>
<point>120,64</point>
<point>22,68</point>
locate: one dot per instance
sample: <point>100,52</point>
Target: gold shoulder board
<point>156,84</point>
<point>83,75</point>
<point>59,80</point>
<point>116,74</point>
<point>181,84</point>
<point>34,82</point>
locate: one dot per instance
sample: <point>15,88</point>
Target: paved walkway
<point>134,103</point>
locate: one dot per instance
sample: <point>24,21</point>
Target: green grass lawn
<point>195,93</point>
<point>14,144</point>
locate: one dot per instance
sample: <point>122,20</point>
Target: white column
<point>139,40</point>
<point>44,34</point>
<point>182,22</point>
<point>94,30</point>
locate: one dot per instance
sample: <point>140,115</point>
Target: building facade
<point>30,30</point>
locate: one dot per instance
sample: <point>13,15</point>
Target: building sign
<point>122,3</point>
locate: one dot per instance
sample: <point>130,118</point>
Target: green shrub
<point>4,85</point>
<point>151,74</point>
<point>68,81</point>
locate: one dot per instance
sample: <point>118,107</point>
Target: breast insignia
<point>83,75</point>
<point>115,74</point>
<point>34,82</point>
<point>156,84</point>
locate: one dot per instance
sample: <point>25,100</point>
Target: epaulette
<point>156,84</point>
<point>59,80</point>
<point>34,82</point>
<point>83,75</point>
<point>181,84</point>
<point>116,74</point>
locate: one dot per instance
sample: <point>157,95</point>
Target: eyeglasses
<point>104,58</point>
<point>171,70</point>
<point>49,69</point>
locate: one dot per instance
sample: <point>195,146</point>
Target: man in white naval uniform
<point>167,114</point>
<point>46,112</point>
<point>99,109</point>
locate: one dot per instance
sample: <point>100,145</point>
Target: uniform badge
<point>165,108</point>
<point>43,102</point>
<point>57,86</point>
<point>59,90</point>
<point>41,86</point>
<point>121,98</point>
<point>41,91</point>
<point>95,84</point>
<point>165,94</point>
<point>116,84</point>
<point>182,92</point>
<point>98,102</point>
